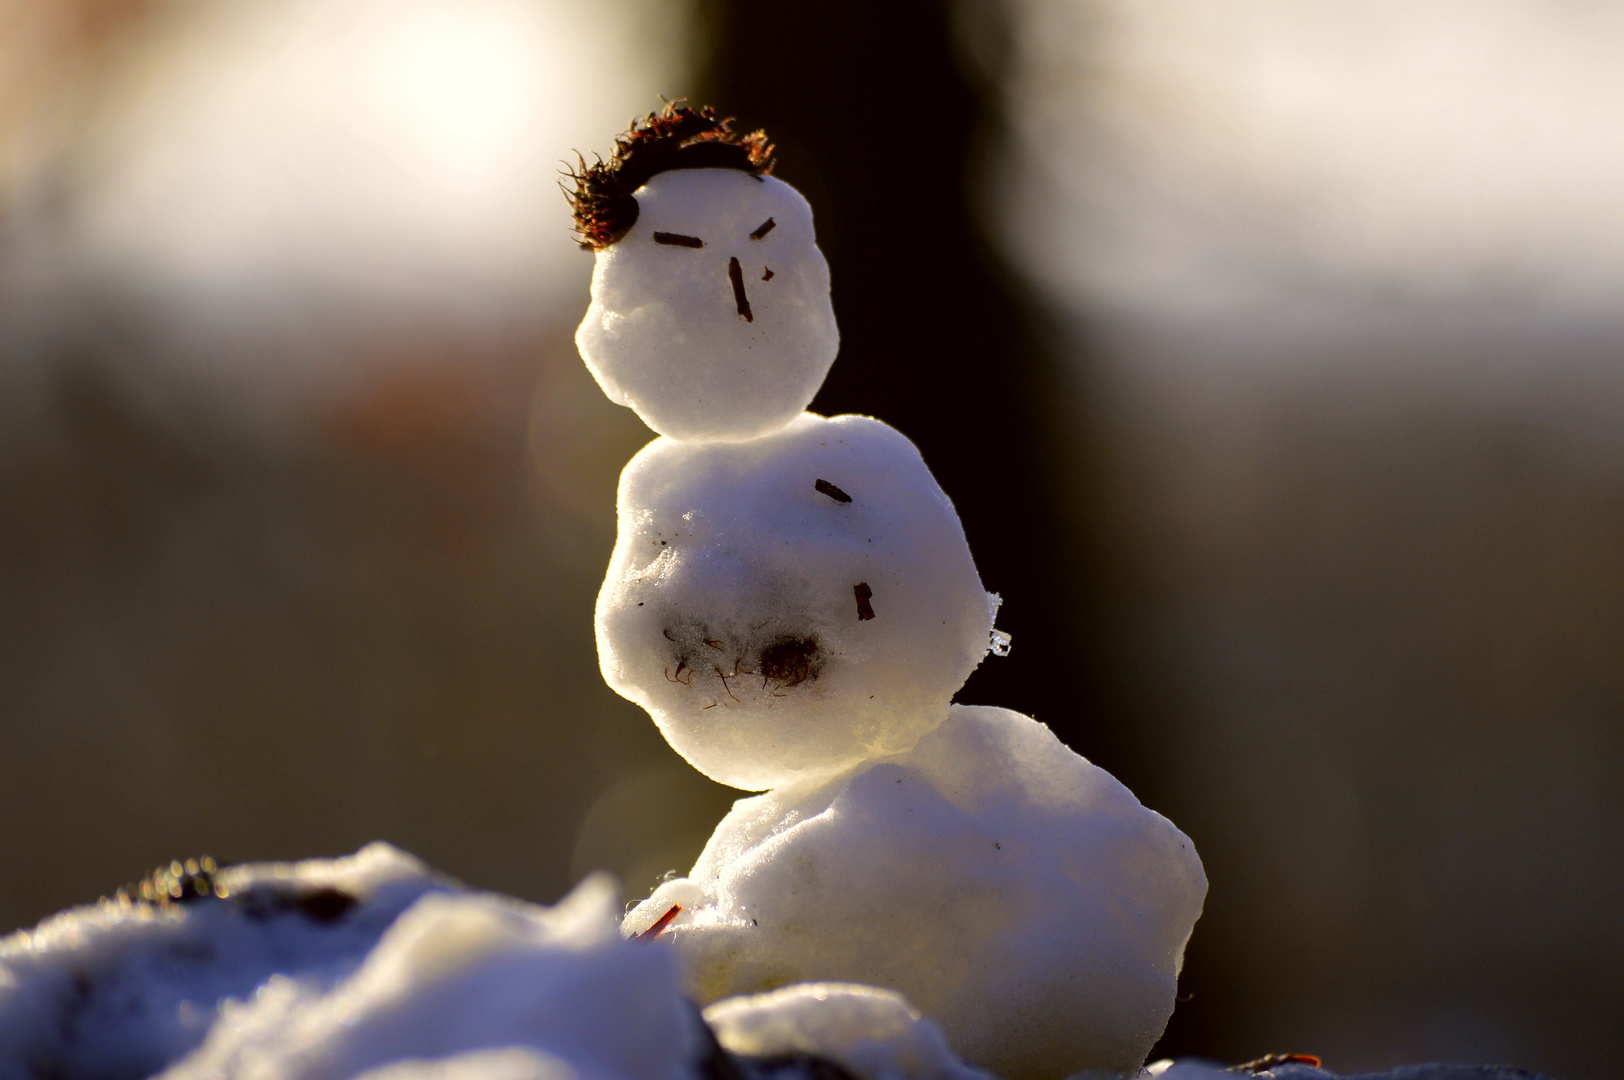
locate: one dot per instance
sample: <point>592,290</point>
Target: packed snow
<point>503,1063</point>
<point>370,966</point>
<point>711,316</point>
<point>469,972</point>
<point>1018,895</point>
<point>792,600</point>
<point>788,606</point>
<point>120,988</point>
<point>870,1032</point>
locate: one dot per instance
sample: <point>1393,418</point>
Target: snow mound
<point>370,967</point>
<point>507,1063</point>
<point>711,316</point>
<point>460,973</point>
<point>1018,895</point>
<point>1271,1069</point>
<point>788,606</point>
<point>874,1034</point>
<point>120,988</point>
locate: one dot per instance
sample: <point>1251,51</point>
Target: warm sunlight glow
<point>375,144</point>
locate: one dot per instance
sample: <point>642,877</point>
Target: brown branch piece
<point>659,925</point>
<point>735,274</point>
<point>864,594</point>
<point>1274,1061</point>
<point>823,487</point>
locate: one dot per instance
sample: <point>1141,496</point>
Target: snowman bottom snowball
<point>788,606</point>
<point>1018,895</point>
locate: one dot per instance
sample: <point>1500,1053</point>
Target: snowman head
<point>710,312</point>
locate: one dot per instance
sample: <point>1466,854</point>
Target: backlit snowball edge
<point>703,327</point>
<point>791,605</point>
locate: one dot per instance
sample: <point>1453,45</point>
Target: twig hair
<point>676,137</point>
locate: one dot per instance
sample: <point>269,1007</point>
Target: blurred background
<point>1273,354</point>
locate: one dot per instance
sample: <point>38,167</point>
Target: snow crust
<point>872,1033</point>
<point>788,606</point>
<point>121,989</point>
<point>1186,1069</point>
<point>1017,894</point>
<point>505,1063</point>
<point>666,332</point>
<point>260,974</point>
<point>556,992</point>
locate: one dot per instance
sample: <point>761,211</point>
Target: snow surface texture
<point>118,990</point>
<point>1196,1069</point>
<point>371,967</point>
<point>557,991</point>
<point>793,601</point>
<point>1018,895</point>
<point>788,606</point>
<point>871,1032</point>
<point>505,1063</point>
<point>728,339</point>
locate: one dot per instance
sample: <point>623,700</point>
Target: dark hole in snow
<point>794,1066</point>
<point>826,488</point>
<point>864,594</point>
<point>320,905</point>
<point>195,880</point>
<point>324,905</point>
<point>714,1063</point>
<point>790,661</point>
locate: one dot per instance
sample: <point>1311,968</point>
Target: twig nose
<point>735,274</point>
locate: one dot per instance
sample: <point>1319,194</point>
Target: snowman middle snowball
<point>788,606</point>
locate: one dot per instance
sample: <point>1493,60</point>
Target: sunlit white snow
<point>711,317</point>
<point>787,606</point>
<point>1018,895</point>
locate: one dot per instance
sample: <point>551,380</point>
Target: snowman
<point>792,600</point>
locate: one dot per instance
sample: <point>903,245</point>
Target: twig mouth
<point>736,274</point>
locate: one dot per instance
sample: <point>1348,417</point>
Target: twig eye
<point>824,487</point>
<point>763,229</point>
<point>678,240</point>
<point>864,594</point>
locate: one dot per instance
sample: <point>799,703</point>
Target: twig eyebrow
<point>678,239</point>
<point>763,229</point>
